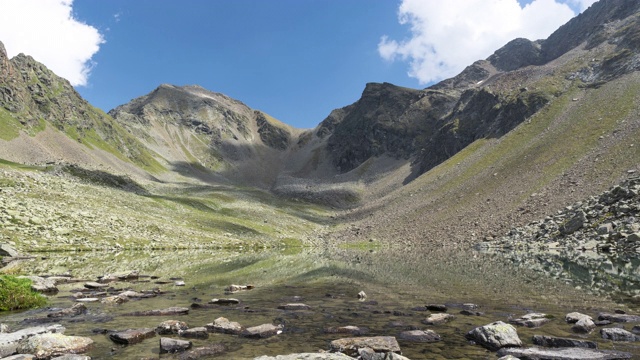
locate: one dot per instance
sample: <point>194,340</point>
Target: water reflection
<point>397,282</point>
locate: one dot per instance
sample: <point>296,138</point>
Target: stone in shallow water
<point>45,346</point>
<point>349,329</point>
<point>262,331</point>
<point>195,333</point>
<point>223,325</point>
<point>95,285</point>
<point>76,309</point>
<point>294,306</point>
<point>351,346</point>
<point>564,353</point>
<point>495,336</point>
<point>619,317</point>
<point>420,336</point>
<point>436,319</point>
<point>161,312</point>
<point>307,356</point>
<point>203,352</point>
<point>168,345</point>
<point>551,341</point>
<point>171,327</point>
<point>229,301</point>
<point>132,336</point>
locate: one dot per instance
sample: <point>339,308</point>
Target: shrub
<point>16,293</point>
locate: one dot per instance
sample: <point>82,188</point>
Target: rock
<point>574,223</point>
<point>76,309</point>
<point>436,319</point>
<point>203,352</point>
<point>437,307</point>
<point>564,353</point>
<point>619,317</point>
<point>23,357</point>
<point>495,336</point>
<point>95,285</point>
<point>9,341</point>
<point>121,276</point>
<point>349,329</point>
<point>87,300</point>
<point>114,300</point>
<point>532,320</point>
<point>574,317</point>
<point>223,325</point>
<point>351,346</point>
<point>617,334</point>
<point>179,283</point>
<point>636,329</point>
<point>362,295</point>
<point>162,312</point>
<point>228,301</point>
<point>471,313</point>
<point>132,336</point>
<point>168,345</point>
<point>43,285</point>
<point>307,356</point>
<point>195,333</point>
<point>171,327</point>
<point>8,250</point>
<point>551,341</point>
<point>262,331</point>
<point>71,357</point>
<point>135,295</point>
<point>45,346</point>
<point>294,307</point>
<point>605,229</point>
<point>584,326</point>
<point>420,336</point>
<point>4,328</point>
<point>370,354</point>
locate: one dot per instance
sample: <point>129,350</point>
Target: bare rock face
<point>495,336</point>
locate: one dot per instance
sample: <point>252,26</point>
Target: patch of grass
<point>16,294</point>
<point>9,126</point>
<point>362,245</point>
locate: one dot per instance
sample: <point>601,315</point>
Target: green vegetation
<point>16,294</point>
<point>9,126</point>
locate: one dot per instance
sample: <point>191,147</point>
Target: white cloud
<point>446,36</point>
<point>48,31</point>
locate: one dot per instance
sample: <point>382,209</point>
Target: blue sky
<point>294,59</point>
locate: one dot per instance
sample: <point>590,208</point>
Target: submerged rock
<point>564,353</point>
<point>168,345</point>
<point>171,327</point>
<point>202,352</point>
<point>420,336</point>
<point>436,319</point>
<point>132,336</point>
<point>45,346</point>
<point>349,329</point>
<point>295,306</point>
<point>351,346</point>
<point>76,309</point>
<point>495,336</point>
<point>556,342</point>
<point>161,312</point>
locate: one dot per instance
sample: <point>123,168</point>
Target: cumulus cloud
<point>48,31</point>
<point>446,36</point>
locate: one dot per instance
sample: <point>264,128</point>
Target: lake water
<point>397,282</point>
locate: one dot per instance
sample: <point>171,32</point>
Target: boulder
<point>574,317</point>
<point>551,341</point>
<point>9,341</point>
<point>223,325</point>
<point>168,345</point>
<point>584,326</point>
<point>203,352</point>
<point>114,300</point>
<point>574,223</point>
<point>132,336</point>
<point>195,333</point>
<point>171,327</point>
<point>564,353</point>
<point>436,319</point>
<point>351,346</point>
<point>262,331</point>
<point>619,317</point>
<point>45,346</point>
<point>617,334</point>
<point>532,320</point>
<point>495,336</point>
<point>427,336</point>
<point>294,306</point>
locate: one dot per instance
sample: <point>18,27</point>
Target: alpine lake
<point>399,284</point>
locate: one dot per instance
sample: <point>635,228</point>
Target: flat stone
<point>168,345</point>
<point>71,357</point>
<point>203,352</point>
<point>349,329</point>
<point>135,295</point>
<point>262,331</point>
<point>95,285</point>
<point>87,300</point>
<point>22,357</point>
<point>436,319</point>
<point>45,346</point>
<point>531,320</point>
<point>427,336</point>
<point>228,301</point>
<point>495,336</point>
<point>195,333</point>
<point>295,306</point>
<point>617,334</point>
<point>234,288</point>
<point>437,307</point>
<point>171,327</point>
<point>555,342</point>
<point>114,300</point>
<point>132,336</point>
<point>564,354</point>
<point>9,341</point>
<point>223,325</point>
<point>351,346</point>
<point>619,317</point>
<point>574,317</point>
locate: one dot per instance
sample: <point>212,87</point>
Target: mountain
<point>532,128</point>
